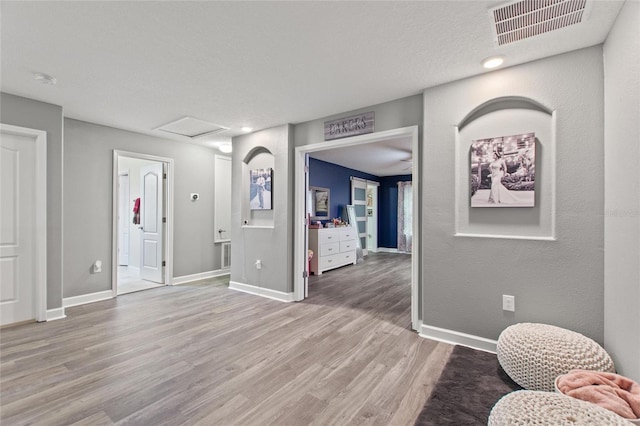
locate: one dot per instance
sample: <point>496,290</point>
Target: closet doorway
<point>301,187</point>
<point>142,222</point>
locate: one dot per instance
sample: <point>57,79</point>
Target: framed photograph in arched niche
<point>503,171</point>
<point>260,182</point>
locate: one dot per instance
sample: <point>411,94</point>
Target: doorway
<point>143,231</point>
<point>301,187</point>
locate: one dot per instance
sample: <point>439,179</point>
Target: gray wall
<point>556,282</point>
<point>272,243</point>
<point>88,159</point>
<point>389,115</point>
<point>29,113</point>
<point>622,189</point>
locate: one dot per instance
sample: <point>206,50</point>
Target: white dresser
<point>332,248</point>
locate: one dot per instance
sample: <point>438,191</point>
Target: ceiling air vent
<point>191,127</point>
<point>529,18</point>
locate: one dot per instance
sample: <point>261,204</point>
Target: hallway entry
<point>142,213</point>
<point>301,244</point>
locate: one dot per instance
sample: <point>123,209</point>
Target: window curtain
<point>405,220</point>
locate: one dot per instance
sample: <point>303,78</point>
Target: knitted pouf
<point>546,408</point>
<point>533,355</point>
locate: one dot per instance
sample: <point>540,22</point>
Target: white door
<point>151,191</point>
<point>124,219</point>
<point>222,191</point>
<point>372,216</point>
<point>17,228</point>
<point>359,201</point>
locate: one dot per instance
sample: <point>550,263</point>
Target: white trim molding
<point>83,299</point>
<point>199,276</point>
<point>261,291</point>
<point>388,250</point>
<point>55,314</point>
<point>458,338</point>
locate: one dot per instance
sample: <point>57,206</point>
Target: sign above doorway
<point>349,126</point>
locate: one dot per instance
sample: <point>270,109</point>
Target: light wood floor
<point>204,354</point>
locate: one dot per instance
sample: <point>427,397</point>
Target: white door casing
<point>151,208</point>
<point>300,230</point>
<point>124,218</point>
<point>22,224</point>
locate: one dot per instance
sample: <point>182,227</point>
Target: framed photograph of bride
<point>503,171</point>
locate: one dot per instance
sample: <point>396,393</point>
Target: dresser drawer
<point>347,245</point>
<point>328,236</point>
<point>348,234</point>
<point>335,260</point>
<point>327,249</point>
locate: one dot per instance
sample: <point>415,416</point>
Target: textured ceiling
<point>137,65</point>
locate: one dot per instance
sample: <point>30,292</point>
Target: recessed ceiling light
<point>493,62</point>
<point>45,78</point>
<point>246,129</point>
<point>225,147</point>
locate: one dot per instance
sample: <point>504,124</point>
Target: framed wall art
<point>260,197</point>
<point>503,171</point>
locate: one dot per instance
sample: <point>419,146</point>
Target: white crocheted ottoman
<point>547,408</point>
<point>533,355</point>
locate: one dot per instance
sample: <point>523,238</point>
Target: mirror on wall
<point>319,203</point>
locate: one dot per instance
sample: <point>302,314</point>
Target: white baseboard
<point>55,314</point>
<point>87,298</point>
<point>458,338</point>
<point>261,291</point>
<point>387,250</point>
<point>199,276</point>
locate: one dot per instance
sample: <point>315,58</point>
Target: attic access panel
<point>191,127</point>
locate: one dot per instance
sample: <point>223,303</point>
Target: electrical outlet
<point>508,303</point>
<point>258,264</point>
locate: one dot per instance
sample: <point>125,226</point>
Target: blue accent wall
<point>338,180</point>
<point>388,209</point>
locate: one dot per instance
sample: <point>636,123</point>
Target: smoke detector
<point>525,19</point>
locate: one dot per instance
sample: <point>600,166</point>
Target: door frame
<point>300,221</point>
<point>40,234</point>
<point>167,209</point>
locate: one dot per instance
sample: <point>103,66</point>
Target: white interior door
<point>17,228</point>
<point>359,201</point>
<point>151,206</point>
<point>222,191</point>
<point>372,216</point>
<point>124,218</point>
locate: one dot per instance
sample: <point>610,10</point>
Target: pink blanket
<point>611,391</point>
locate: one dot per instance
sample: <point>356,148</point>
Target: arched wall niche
<point>503,103</point>
<point>504,116</point>
<point>258,158</point>
<point>254,152</point>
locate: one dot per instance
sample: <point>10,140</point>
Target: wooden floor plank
<point>203,354</point>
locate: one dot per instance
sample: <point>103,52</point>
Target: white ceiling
<point>138,65</point>
<point>385,158</point>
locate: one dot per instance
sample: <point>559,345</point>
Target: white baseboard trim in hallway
<point>458,338</point>
<point>260,291</point>
<point>83,299</point>
<point>199,276</point>
<point>55,314</point>
<point>386,250</point>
